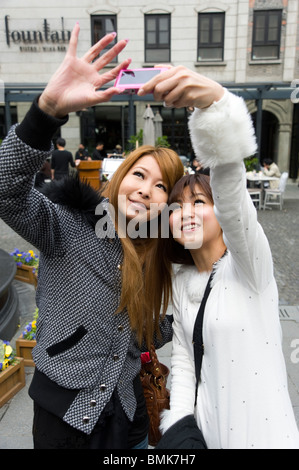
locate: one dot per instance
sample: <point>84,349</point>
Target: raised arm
<point>77,82</point>
<point>74,86</point>
<point>222,136</point>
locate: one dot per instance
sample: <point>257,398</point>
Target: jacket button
<point>103,387</point>
<point>115,357</point>
<point>120,328</point>
<point>119,267</point>
<point>86,419</point>
<point>93,403</point>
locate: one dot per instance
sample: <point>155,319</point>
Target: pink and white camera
<point>129,81</point>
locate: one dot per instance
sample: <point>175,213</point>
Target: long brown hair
<point>146,271</point>
<point>176,252</point>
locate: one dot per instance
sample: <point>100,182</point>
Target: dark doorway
<point>294,160</point>
<point>269,136</point>
<point>14,120</point>
<point>175,128</point>
<point>108,124</point>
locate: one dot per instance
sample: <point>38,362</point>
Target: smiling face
<point>142,190</point>
<point>193,222</point>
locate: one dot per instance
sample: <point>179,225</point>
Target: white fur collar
<point>193,283</point>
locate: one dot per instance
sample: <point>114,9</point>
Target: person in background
<point>198,168</point>
<point>118,150</point>
<point>271,169</point>
<point>116,153</point>
<point>82,153</point>
<point>61,160</point>
<point>99,152</point>
<point>43,175</point>
<point>195,165</point>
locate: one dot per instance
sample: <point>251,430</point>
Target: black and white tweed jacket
<point>84,350</point>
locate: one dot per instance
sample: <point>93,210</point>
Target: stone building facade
<point>250,46</point>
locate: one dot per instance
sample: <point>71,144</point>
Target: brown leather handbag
<point>153,377</point>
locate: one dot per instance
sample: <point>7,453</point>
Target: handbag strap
<point>198,342</point>
<point>156,369</point>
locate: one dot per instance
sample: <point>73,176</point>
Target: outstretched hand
<point>180,87</point>
<point>76,83</point>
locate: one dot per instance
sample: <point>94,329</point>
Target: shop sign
<point>41,40</point>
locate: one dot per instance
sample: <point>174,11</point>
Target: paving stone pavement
<point>281,228</point>
<point>282,231</point>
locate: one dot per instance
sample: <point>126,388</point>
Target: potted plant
<point>12,373</point>
<point>26,342</point>
<point>163,141</point>
<point>251,163</point>
<point>27,266</point>
<point>136,141</point>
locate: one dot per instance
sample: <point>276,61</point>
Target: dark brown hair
<point>175,251</point>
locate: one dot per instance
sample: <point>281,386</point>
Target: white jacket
<point>243,400</point>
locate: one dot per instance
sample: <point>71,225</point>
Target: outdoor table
<point>109,166</point>
<point>259,177</point>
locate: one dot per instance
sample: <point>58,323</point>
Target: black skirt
<point>113,430</point>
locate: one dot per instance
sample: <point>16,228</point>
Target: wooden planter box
<point>24,349</point>
<point>12,380</point>
<point>26,274</point>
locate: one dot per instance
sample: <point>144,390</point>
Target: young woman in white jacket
<point>242,397</point>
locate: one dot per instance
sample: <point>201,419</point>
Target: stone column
<point>284,146</point>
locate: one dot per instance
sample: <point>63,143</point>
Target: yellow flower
<point>33,324</point>
<point>31,252</point>
<point>8,351</point>
<point>19,254</point>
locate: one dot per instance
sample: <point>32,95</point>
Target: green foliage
<point>160,142</point>
<point>163,141</point>
<point>136,138</point>
<point>251,163</point>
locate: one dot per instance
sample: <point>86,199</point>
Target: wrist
<point>219,93</point>
<point>49,106</point>
<point>38,127</point>
<point>213,95</point>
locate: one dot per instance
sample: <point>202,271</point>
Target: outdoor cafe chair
<point>256,196</point>
<point>274,197</point>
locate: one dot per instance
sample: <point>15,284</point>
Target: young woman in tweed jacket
<point>98,297</point>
